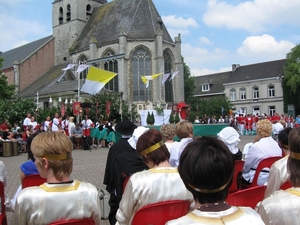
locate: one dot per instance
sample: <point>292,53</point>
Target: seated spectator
<point>60,198</point>
<point>283,206</point>
<point>278,172</point>
<point>231,138</point>
<point>168,133</point>
<point>160,183</point>
<point>277,127</point>
<point>76,132</point>
<point>184,131</point>
<point>264,147</point>
<point>27,168</point>
<point>206,168</point>
<point>197,120</point>
<point>19,137</point>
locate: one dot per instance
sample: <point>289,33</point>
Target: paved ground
<point>88,166</point>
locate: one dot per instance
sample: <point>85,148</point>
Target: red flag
<point>108,104</point>
<point>76,108</point>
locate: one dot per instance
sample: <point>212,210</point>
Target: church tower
<point>69,17</point>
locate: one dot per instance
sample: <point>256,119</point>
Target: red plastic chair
<point>265,163</point>
<point>286,185</point>
<point>33,180</point>
<point>247,197</point>
<point>161,212</point>
<point>236,183</point>
<point>3,219</point>
<point>85,221</point>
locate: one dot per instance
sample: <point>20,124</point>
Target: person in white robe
<point>283,206</point>
<point>278,172</point>
<point>158,184</point>
<point>206,167</point>
<point>60,198</point>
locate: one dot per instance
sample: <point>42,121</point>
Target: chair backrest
<point>161,212</point>
<point>3,219</point>
<point>247,197</point>
<point>85,221</point>
<point>286,185</point>
<point>267,162</point>
<point>33,180</point>
<point>237,179</point>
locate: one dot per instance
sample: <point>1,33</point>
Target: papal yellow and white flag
<point>146,79</point>
<point>96,80</point>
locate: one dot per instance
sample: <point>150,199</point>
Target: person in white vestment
<point>264,147</point>
<point>158,184</point>
<point>206,167</point>
<point>283,206</point>
<point>168,132</point>
<point>278,172</point>
<point>60,198</point>
<point>185,132</point>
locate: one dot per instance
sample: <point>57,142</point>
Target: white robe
<point>42,205</point>
<point>281,207</point>
<point>231,216</point>
<point>150,186</point>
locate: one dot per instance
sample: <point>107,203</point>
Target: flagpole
<point>78,93</point>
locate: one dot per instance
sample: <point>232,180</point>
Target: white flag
<point>70,66</point>
<point>81,68</point>
<point>174,74</point>
<point>165,77</point>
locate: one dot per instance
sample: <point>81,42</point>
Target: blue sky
<point>215,34</point>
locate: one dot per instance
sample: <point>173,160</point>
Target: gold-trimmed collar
<point>61,188</point>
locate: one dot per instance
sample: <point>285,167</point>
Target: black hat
<point>125,127</point>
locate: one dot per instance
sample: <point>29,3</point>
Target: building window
<point>68,15</point>
<point>61,15</point>
<point>271,110</point>
<point>232,95</point>
<point>169,83</point>
<point>141,65</point>
<point>255,93</point>
<point>271,91</point>
<point>205,87</point>
<point>88,11</point>
<point>243,94</point>
<point>112,65</point>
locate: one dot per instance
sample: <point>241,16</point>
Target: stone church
<point>126,37</point>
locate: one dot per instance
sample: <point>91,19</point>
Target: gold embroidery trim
<point>293,191</point>
<point>61,188</point>
<point>164,170</point>
<point>217,220</point>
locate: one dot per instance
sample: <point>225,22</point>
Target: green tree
<point>189,83</point>
<point>6,91</point>
<point>291,79</point>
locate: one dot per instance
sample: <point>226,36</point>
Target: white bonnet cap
<point>136,134</point>
<point>230,137</point>
<point>277,127</point>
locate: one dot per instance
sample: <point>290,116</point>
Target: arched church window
<point>88,11</point>
<point>169,83</point>
<point>112,65</point>
<point>68,16</point>
<point>61,15</point>
<point>141,65</point>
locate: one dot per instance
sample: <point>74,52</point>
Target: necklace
<point>214,207</point>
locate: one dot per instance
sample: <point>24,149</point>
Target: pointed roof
<point>22,52</point>
<point>137,19</point>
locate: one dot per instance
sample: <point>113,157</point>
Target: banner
<point>108,104</point>
<point>62,110</point>
<point>76,108</point>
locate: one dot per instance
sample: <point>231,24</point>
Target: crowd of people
<point>147,166</point>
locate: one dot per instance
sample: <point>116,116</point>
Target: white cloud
<point>178,22</point>
<point>205,40</point>
<point>254,16</point>
<point>264,46</point>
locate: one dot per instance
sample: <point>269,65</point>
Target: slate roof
<point>138,19</point>
<point>22,52</point>
<point>216,82</point>
<point>100,1</point>
<point>257,71</point>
